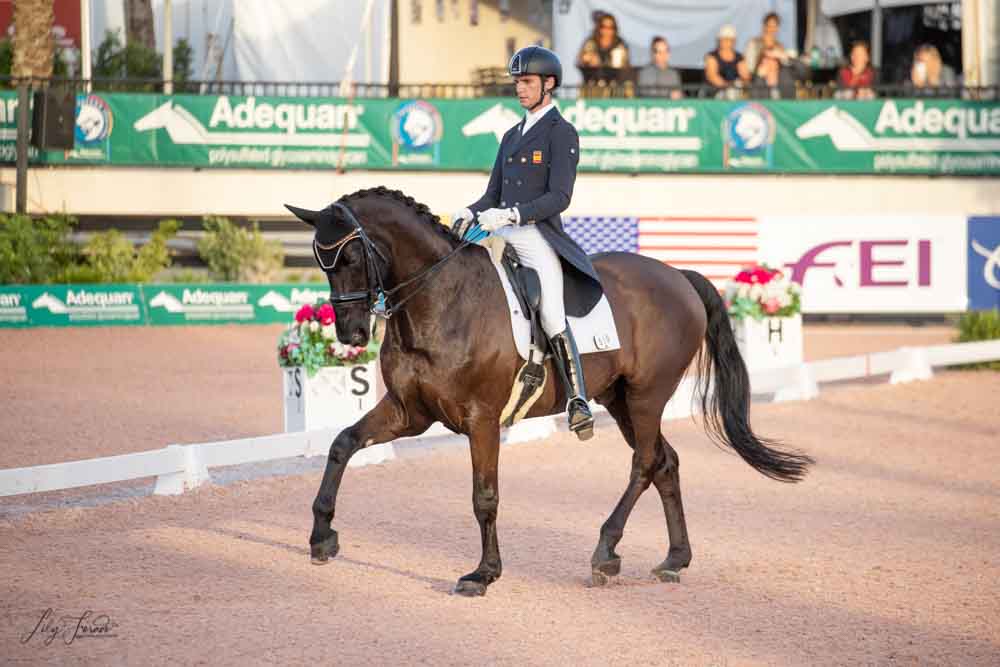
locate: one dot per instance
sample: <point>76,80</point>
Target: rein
<point>376,289</point>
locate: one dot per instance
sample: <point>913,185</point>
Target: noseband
<point>376,298</point>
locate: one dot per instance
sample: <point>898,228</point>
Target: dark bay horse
<point>449,356</point>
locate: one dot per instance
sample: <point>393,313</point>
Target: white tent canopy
<point>690,26</point>
<point>270,40</point>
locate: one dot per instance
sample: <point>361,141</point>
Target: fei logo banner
<point>984,263</point>
<point>870,264</point>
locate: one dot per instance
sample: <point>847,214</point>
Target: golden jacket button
<point>506,181</point>
<point>517,203</point>
<point>524,159</point>
<point>510,159</point>
<point>519,182</point>
<point>503,203</point>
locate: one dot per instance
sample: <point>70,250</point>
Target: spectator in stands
<point>766,44</point>
<point>658,78</point>
<point>725,67</point>
<point>858,78</point>
<point>929,76</point>
<point>604,55</point>
<point>771,80</point>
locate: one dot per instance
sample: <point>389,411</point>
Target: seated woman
<point>767,44</point>
<point>725,67</point>
<point>658,78</point>
<point>929,76</point>
<point>773,81</point>
<point>857,79</point>
<point>604,55</point>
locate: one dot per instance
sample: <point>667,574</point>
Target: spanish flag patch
<point>536,157</point>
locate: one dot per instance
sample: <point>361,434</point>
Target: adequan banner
<point>227,303</point>
<point>165,304</point>
<point>70,305</point>
<point>616,135</point>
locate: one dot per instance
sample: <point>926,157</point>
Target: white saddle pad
<point>596,332</point>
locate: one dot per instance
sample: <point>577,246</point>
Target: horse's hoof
<point>469,588</point>
<point>583,431</point>
<point>667,576</point>
<point>601,573</point>
<point>598,578</point>
<point>323,551</point>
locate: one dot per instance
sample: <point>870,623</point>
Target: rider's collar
<point>532,117</point>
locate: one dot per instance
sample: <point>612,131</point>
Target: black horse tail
<point>726,408</point>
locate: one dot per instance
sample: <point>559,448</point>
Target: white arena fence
<point>179,468</point>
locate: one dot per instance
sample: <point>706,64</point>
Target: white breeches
<point>536,253</point>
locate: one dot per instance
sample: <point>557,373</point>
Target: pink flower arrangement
<point>311,342</point>
<point>760,291</point>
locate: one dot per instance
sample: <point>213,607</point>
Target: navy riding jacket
<point>535,174</point>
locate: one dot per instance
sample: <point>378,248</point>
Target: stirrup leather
<point>581,420</point>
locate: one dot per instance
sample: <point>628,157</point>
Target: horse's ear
<point>305,215</point>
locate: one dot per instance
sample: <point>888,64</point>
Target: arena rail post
<point>912,365</point>
<point>192,474</point>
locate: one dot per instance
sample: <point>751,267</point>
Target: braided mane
<point>420,210</point>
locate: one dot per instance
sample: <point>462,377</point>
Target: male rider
<point>531,184</point>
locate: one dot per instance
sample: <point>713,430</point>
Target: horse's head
<point>350,269</point>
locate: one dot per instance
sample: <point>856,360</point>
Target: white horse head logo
<point>497,119</point>
<point>53,304</point>
<point>276,301</point>
<point>844,130</point>
<point>181,126</point>
<point>991,269</point>
<point>167,301</point>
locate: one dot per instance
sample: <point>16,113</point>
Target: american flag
<point>604,234</point>
<point>715,247</point>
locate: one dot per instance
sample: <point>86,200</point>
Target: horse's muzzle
<point>359,337</point>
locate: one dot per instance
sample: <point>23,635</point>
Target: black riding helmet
<point>536,60</point>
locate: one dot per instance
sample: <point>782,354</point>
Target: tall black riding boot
<point>581,420</point>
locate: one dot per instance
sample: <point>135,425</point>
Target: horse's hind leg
<point>666,477</point>
<point>639,422</point>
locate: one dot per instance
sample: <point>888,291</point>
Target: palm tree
<point>139,23</point>
<point>33,43</point>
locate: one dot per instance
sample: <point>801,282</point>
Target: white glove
<point>495,218</point>
<point>461,221</point>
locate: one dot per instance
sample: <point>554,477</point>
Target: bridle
<point>376,297</point>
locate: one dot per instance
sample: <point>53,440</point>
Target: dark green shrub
<point>980,325</point>
<point>35,250</point>
<point>238,254</point>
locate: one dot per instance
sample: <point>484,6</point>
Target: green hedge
<point>980,325</point>
<point>36,250</point>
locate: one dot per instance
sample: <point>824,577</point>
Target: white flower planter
<point>334,397</point>
<point>769,343</point>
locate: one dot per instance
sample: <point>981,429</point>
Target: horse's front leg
<point>485,446</point>
<point>386,421</point>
